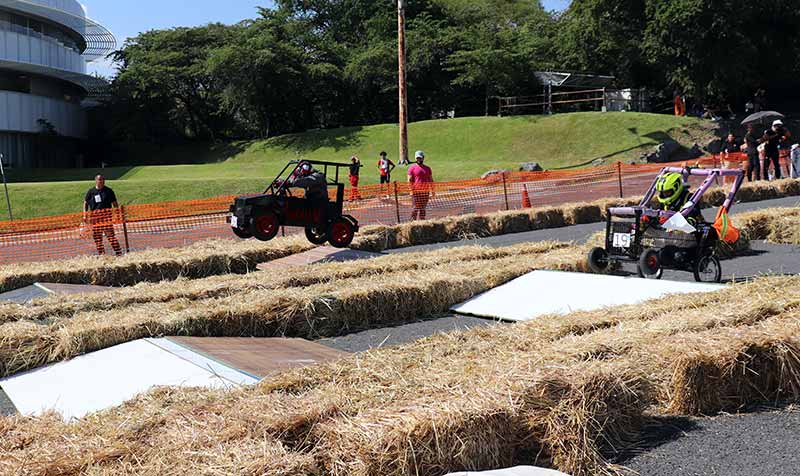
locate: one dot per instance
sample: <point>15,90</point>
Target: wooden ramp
<point>260,357</point>
<point>322,254</point>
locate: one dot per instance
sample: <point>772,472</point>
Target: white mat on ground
<point>554,292</point>
<point>109,377</point>
<point>517,471</point>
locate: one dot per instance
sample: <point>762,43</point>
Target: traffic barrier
<point>181,223</point>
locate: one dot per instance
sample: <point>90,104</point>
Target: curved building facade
<point>45,46</point>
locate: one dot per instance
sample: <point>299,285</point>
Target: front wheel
<point>243,234</point>
<point>707,269</point>
<point>265,225</point>
<point>316,236</point>
<point>650,265</point>
<point>341,233</point>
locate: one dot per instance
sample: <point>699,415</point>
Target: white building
<point>45,46</point>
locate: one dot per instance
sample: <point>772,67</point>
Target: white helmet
<point>777,122</point>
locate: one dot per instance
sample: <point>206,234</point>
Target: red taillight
<point>662,220</point>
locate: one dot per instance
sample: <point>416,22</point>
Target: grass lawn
<point>456,149</point>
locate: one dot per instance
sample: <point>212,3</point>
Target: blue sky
<point>127,18</point>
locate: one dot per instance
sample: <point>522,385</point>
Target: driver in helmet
<point>674,194</point>
<point>312,181</point>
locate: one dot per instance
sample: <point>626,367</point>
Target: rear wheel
<point>598,260</point>
<point>265,225</point>
<point>316,236</point>
<point>708,269</point>
<point>649,265</point>
<point>341,233</point>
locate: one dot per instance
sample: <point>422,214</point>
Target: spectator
<point>749,107</point>
<point>420,176</point>
<point>751,149</point>
<point>731,145</point>
<point>760,100</point>
<point>98,208</point>
<point>355,168</point>
<point>795,161</point>
<point>385,167</point>
<point>773,139</point>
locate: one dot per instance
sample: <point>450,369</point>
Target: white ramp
<point>553,292</point>
<point>109,377</point>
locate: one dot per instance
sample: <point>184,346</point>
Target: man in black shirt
<point>98,208</point>
<point>751,148</point>
<point>774,139</point>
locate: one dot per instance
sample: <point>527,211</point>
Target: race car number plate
<point>622,240</point>
<point>234,222</point>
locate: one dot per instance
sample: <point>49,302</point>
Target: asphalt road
<point>761,443</point>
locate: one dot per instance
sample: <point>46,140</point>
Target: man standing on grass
<point>751,149</point>
<point>98,210</point>
<point>385,167</point>
<point>420,176</point>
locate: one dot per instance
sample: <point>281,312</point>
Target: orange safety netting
<point>175,224</point>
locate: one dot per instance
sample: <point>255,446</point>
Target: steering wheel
<point>280,190</point>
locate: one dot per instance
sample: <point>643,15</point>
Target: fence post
<point>397,202</point>
<point>505,190</point>
<point>125,229</point>
<point>619,175</point>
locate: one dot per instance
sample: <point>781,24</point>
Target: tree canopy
<point>306,64</point>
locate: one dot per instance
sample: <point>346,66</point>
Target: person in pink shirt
<point>420,176</point>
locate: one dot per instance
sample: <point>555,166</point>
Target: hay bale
<point>734,368</point>
<point>581,214</point>
<point>555,419</point>
<point>207,258</point>
<point>789,187</point>
<point>549,217</point>
<point>515,221</point>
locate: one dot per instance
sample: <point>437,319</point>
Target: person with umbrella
<point>773,139</point>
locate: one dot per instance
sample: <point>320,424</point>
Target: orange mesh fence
<point>175,224</point>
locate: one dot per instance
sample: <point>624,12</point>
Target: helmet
<point>669,188</point>
<point>778,122</point>
<point>305,168</point>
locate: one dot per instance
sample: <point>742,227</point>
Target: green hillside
<point>456,149</point>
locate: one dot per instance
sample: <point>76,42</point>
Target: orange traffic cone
<point>526,199</point>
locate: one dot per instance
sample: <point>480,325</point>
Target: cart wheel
<point>649,265</point>
<point>243,234</point>
<point>265,225</point>
<point>341,233</point>
<point>315,236</point>
<point>598,260</point>
<point>658,275</point>
<point>707,269</point>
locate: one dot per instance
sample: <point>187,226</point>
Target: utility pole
<point>5,185</point>
<point>401,74</point>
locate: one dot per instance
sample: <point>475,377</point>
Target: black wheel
<point>649,264</point>
<point>265,225</point>
<point>707,269</point>
<point>598,260</point>
<point>341,233</point>
<point>316,236</point>
<point>659,274</point>
<point>243,234</point>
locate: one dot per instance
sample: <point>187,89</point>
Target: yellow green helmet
<point>669,187</point>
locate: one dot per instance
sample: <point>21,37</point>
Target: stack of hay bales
<point>564,392</point>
